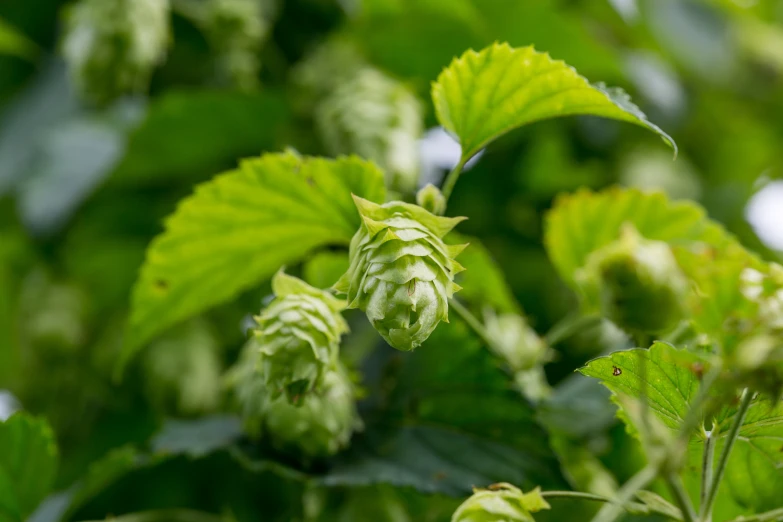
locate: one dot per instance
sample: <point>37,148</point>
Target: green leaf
<point>454,423</point>
<point>483,95</point>
<point>190,134</point>
<point>324,269</point>
<point>754,476</point>
<point>582,222</point>
<point>28,463</point>
<point>14,43</point>
<point>238,229</point>
<point>483,282</point>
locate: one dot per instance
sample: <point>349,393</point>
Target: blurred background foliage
<point>90,167</point>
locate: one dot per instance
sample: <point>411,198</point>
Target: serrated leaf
<point>754,476</point>
<point>28,463</point>
<point>483,95</point>
<point>455,423</point>
<point>238,229</point>
<point>582,222</point>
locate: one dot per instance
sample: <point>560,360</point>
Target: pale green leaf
<point>325,268</point>
<point>28,460</point>
<point>582,222</point>
<point>238,229</point>
<point>754,476</point>
<point>485,94</point>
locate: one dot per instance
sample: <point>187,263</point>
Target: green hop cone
<point>378,118</point>
<point>249,388</point>
<point>182,370</point>
<point>641,287</point>
<point>299,336</point>
<point>236,30</point>
<point>500,503</point>
<point>321,425</point>
<point>401,272</point>
<point>431,198</point>
<point>112,46</point>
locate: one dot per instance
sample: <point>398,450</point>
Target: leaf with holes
<point>28,462</point>
<point>483,95</point>
<point>754,475</point>
<point>238,229</point>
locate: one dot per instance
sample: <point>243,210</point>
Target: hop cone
<point>299,335</point>
<point>112,46</point>
<point>249,388</point>
<point>236,29</point>
<point>321,425</point>
<point>641,286</point>
<point>182,370</point>
<point>500,503</point>
<point>378,118</point>
<point>401,272</point>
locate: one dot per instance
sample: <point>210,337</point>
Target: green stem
<point>694,415</point>
<point>723,459</point>
<point>451,180</point>
<point>770,516</point>
<point>570,326</point>
<point>611,511</point>
<point>638,507</point>
<point>681,497</point>
<point>707,466</point>
<point>472,321</point>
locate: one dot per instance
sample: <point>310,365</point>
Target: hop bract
<point>318,427</point>
<point>112,46</point>
<point>500,503</point>
<point>640,284</point>
<point>299,336</point>
<point>401,272</point>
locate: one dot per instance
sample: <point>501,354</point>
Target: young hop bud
<point>500,503</point>
<point>640,285</point>
<point>112,46</point>
<point>401,272</point>
<point>321,425</point>
<point>431,199</point>
<point>299,336</point>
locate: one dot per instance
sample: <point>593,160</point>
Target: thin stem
<point>611,511</point>
<point>472,321</point>
<point>770,516</point>
<point>570,326</point>
<point>694,417</point>
<point>723,459</point>
<point>451,180</point>
<point>681,497</point>
<point>575,494</point>
<point>707,466</point>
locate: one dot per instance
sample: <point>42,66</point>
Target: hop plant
<point>401,272</point>
<point>318,427</point>
<point>249,388</point>
<point>182,370</point>
<point>641,286</point>
<point>112,46</point>
<point>299,336</point>
<point>378,118</point>
<point>236,30</point>
<point>500,503</point>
